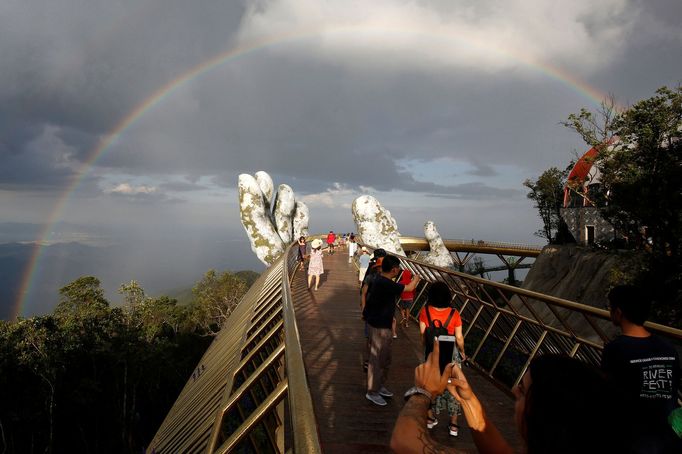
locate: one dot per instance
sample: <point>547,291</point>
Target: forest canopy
<point>91,377</point>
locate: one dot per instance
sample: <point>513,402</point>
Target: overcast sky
<point>439,108</point>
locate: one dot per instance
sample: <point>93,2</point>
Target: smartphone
<point>447,350</point>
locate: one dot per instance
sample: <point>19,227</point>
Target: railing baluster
<point>506,345</point>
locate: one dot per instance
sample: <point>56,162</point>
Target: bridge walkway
<point>332,340</point>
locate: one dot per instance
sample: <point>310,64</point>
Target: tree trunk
<point>50,417</point>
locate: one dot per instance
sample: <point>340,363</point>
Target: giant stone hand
<point>378,229</point>
<point>270,230</point>
<point>375,225</point>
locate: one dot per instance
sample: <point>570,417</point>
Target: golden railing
<point>249,380</point>
<point>505,327</point>
<point>411,243</point>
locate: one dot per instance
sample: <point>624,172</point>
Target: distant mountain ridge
<point>185,296</point>
<point>154,266</point>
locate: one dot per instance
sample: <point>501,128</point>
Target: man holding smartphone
<point>439,315</point>
<point>378,312</point>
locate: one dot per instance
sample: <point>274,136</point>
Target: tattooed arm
<point>410,434</point>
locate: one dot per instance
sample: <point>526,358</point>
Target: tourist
<point>373,271</point>
<point>378,313</point>
<point>406,299</point>
<point>331,238</point>
<point>301,251</point>
<point>315,266</point>
<point>438,311</point>
<point>352,248</point>
<point>363,263</point>
<point>643,368</point>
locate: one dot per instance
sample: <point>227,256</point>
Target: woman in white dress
<point>315,266</point>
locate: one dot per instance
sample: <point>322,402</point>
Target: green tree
<point>82,297</point>
<point>91,378</point>
<point>38,349</point>
<point>640,161</point>
<point>216,296</point>
<point>548,193</point>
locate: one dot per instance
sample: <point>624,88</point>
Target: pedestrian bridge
<point>285,372</point>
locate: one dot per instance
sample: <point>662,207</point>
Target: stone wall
<point>578,218</point>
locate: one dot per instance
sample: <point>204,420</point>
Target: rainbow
<point>242,49</point>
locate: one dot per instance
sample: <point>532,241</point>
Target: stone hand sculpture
<point>438,254</point>
<point>270,230</point>
<point>378,229</point>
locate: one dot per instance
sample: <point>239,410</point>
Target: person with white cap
<point>363,262</point>
<point>315,267</point>
<point>352,248</point>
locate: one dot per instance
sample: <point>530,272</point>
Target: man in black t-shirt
<point>378,314</point>
<point>643,368</point>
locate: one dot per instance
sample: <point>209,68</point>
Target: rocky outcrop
<point>576,274</point>
<point>573,273</point>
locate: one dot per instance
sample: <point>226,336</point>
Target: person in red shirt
<point>406,299</point>
<point>330,241</point>
<point>439,307</point>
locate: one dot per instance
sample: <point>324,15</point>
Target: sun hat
<point>364,249</point>
<point>316,243</point>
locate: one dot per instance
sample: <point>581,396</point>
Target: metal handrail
<point>507,326</point>
<point>235,399</point>
<point>305,437</point>
<point>421,244</point>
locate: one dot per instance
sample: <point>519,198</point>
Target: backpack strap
<point>447,321</point>
<point>433,322</point>
<point>428,315</point>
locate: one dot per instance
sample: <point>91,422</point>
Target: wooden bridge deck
<point>332,340</point>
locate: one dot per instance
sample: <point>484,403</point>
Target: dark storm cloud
<point>313,122</point>
<point>80,66</point>
<point>435,106</point>
<point>309,114</point>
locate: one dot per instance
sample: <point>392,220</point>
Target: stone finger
<point>255,217</point>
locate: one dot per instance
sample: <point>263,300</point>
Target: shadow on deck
<point>332,340</point>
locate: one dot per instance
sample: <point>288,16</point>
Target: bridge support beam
<point>511,263</point>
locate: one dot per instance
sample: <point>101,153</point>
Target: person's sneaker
<point>376,399</point>
<point>385,392</point>
<point>453,430</point>
<point>431,423</point>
